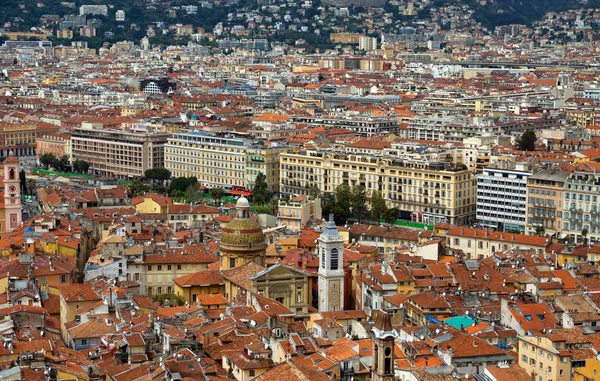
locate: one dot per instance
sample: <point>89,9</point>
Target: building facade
<point>502,199</point>
<point>426,192</point>
<point>119,153</point>
<point>545,358</point>
<point>545,201</point>
<point>581,214</point>
<point>214,161</point>
<point>57,144</point>
<point>296,212</point>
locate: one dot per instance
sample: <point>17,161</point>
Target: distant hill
<point>492,13</point>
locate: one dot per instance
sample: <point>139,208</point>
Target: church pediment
<point>279,271</point>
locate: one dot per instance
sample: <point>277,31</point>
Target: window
<point>549,369</point>
<point>524,358</point>
<point>159,267</point>
<point>550,357</point>
<point>178,267</point>
<point>83,341</point>
<point>231,263</point>
<point>169,267</point>
<point>252,373</point>
<point>334,259</point>
<point>541,353</point>
<point>531,361</point>
<point>137,276</point>
<point>159,290</point>
<point>149,267</point>
<point>64,278</point>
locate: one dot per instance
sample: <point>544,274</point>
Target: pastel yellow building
<point>545,357</point>
<point>591,371</point>
<point>424,192</point>
<point>151,203</point>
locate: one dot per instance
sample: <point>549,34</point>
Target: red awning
<point>236,192</point>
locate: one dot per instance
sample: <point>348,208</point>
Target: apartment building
<point>22,138</point>
<point>155,272</point>
<point>428,192</point>
<point>581,212</point>
<point>502,198</point>
<point>545,357</point>
<point>482,243</point>
<point>222,161</point>
<point>545,201</point>
<point>362,126</point>
<point>58,144</point>
<point>265,160</point>
<point>215,161</point>
<point>297,211</point>
<point>122,153</point>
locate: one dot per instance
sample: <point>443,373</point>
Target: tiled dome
<point>242,231</point>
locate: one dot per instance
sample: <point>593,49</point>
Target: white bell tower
<point>331,268</point>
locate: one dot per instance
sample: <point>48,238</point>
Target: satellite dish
<point>252,323</point>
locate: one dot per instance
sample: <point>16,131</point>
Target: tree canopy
<point>526,142</point>
<point>160,174</point>
<point>180,184</point>
<point>260,193</point>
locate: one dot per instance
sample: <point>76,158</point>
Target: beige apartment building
<point>297,211</point>
<point>215,161</point>
<point>222,161</point>
<point>545,201</point>
<point>121,153</point>
<point>428,192</point>
<point>545,358</point>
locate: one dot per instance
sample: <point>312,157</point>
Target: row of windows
<point>160,267</point>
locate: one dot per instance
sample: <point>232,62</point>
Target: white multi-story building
<point>367,43</point>
<point>502,198</point>
<point>91,9</point>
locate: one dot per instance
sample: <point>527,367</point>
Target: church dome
<point>241,232</point>
<point>242,202</point>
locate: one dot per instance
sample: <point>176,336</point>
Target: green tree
<point>260,193</point>
<point>180,184</point>
<point>390,215</point>
<point>314,192</point>
<point>342,203</point>
<point>60,163</point>
<point>192,193</point>
<point>217,194</point>
<point>47,158</point>
<point>378,206</point>
<point>137,188</point>
<point>30,185</point>
<point>584,234</point>
<point>526,142</point>
<point>23,181</point>
<point>327,204</point>
<point>540,230</point>
<point>157,174</point>
<point>358,202</point>
<point>81,166</point>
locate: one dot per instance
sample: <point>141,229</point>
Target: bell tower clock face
<point>12,189</point>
